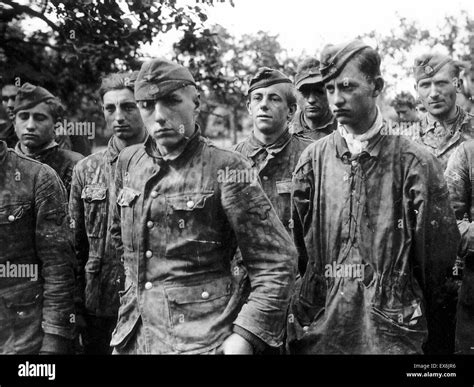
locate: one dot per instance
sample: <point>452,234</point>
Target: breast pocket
<point>198,313</point>
<point>15,220</point>
<point>95,209</point>
<point>126,199</point>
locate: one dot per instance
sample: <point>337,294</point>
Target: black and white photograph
<point>287,180</point>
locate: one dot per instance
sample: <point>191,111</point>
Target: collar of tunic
<point>40,155</point>
<point>256,146</point>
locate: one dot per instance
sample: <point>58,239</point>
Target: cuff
<point>257,344</point>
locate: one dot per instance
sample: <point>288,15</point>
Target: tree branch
<point>25,9</point>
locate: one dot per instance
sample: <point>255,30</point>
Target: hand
<point>236,345</point>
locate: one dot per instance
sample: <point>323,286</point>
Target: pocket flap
<point>189,202</point>
<point>200,293</point>
<point>92,193</point>
<point>13,212</point>
<point>283,186</point>
<point>127,196</point>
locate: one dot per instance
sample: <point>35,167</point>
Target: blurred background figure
<point>404,105</point>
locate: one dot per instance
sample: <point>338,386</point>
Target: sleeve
<point>81,242</point>
<point>436,239</point>
<point>302,196</point>
<point>460,193</point>
<point>268,255</point>
<point>55,251</point>
<point>116,226</point>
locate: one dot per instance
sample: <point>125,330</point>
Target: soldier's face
<point>171,118</point>
<point>406,114</point>
<point>8,99</point>
<point>438,93</point>
<point>122,115</point>
<point>313,101</point>
<point>352,97</point>
<point>35,126</point>
<point>269,110</point>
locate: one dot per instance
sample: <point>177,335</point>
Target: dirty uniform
<point>178,225</point>
<point>61,160</point>
<point>441,141</point>
<point>299,126</point>
<point>33,231</point>
<point>377,238</point>
<point>100,275</point>
<point>460,178</point>
<point>275,164</point>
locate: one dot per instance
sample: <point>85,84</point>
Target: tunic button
<point>149,254</point>
<point>204,295</point>
<point>11,218</point>
<point>154,194</point>
<point>150,224</point>
<point>305,328</point>
<point>265,178</point>
<point>21,313</point>
<point>354,163</point>
<point>148,285</point>
<point>190,204</point>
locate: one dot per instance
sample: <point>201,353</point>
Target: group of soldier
<point>322,232</point>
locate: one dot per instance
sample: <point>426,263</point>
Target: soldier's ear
<point>415,86</point>
<point>379,84</point>
<point>292,111</point>
<point>197,104</point>
<point>458,83</point>
<point>248,106</point>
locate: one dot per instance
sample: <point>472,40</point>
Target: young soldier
<point>36,112</point>
<point>36,259</point>
<point>91,203</point>
<point>373,225</point>
<point>405,106</point>
<point>183,206</point>
<point>445,126</point>
<point>315,119</point>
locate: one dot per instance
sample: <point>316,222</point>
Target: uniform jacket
<point>34,232</point>
<point>299,126</point>
<point>61,160</point>
<point>378,237</point>
<point>178,221</point>
<point>275,164</point>
<point>443,142</point>
<point>100,275</point>
<point>460,178</point>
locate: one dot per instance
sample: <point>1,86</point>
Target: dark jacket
<point>35,233</point>
<point>178,225</point>
<point>299,126</point>
<point>377,238</point>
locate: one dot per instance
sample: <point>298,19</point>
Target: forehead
<point>279,89</point>
<point>41,108</point>
<point>118,96</point>
<point>9,90</point>
<point>352,72</point>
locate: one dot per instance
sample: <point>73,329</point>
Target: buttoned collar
<point>256,146</point>
<point>431,123</point>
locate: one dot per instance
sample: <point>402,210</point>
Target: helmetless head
<point>271,101</point>
<point>437,83</point>
<point>404,105</point>
<point>312,99</point>
<point>36,111</point>
<point>168,101</point>
<point>8,99</point>
<point>120,109</point>
<point>351,73</point>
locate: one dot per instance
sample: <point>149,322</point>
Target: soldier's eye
<point>23,116</point>
<point>146,104</point>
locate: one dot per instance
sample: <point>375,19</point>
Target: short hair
<point>369,62</point>
<point>56,109</point>
<point>404,99</point>
<point>117,81</point>
<point>289,93</point>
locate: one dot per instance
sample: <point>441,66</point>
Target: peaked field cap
<point>266,77</point>
<point>29,95</point>
<point>335,57</point>
<point>428,64</point>
<point>308,73</point>
<point>159,77</point>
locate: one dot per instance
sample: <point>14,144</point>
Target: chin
<point>168,142</point>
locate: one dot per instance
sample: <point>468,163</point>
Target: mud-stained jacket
<point>61,160</point>
<point>178,225</point>
<point>100,273</point>
<point>275,164</point>
<point>36,256</point>
<point>441,141</point>
<point>378,237</point>
<point>460,178</point>
<point>299,126</point>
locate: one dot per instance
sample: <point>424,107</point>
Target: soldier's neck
<point>442,118</point>
<point>364,125</point>
<point>123,143</point>
<point>32,152</point>
<point>268,138</point>
<point>318,123</point>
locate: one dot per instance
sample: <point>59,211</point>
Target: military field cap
<point>29,95</point>
<point>159,77</point>
<point>266,77</point>
<point>429,64</point>
<point>308,73</point>
<point>335,57</point>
